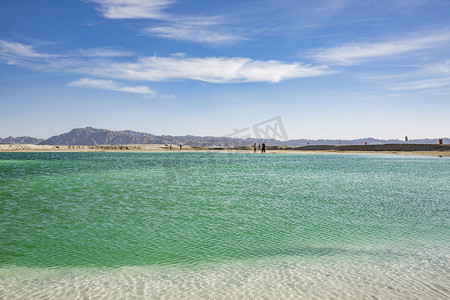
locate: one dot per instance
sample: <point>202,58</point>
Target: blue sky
<point>328,68</point>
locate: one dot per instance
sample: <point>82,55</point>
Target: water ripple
<point>361,214</point>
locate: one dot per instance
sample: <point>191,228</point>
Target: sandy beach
<point>430,150</point>
<point>94,148</point>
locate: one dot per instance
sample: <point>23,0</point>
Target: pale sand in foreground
<point>161,148</point>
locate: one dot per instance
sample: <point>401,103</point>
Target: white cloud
<point>27,57</point>
<point>440,68</point>
<point>13,50</point>
<point>192,33</point>
<point>133,9</point>
<point>357,53</point>
<point>192,29</point>
<point>103,52</point>
<point>111,86</point>
<point>198,29</point>
<point>422,84</point>
<point>176,67</point>
<point>213,69</point>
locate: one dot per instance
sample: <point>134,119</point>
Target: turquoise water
<point>220,225</point>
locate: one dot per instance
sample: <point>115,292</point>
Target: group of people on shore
<point>262,147</point>
<point>181,147</point>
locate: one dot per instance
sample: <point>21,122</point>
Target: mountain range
<point>93,136</point>
<point>20,140</point>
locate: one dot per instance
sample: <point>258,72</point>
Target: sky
<point>329,69</point>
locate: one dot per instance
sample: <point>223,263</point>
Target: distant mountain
<point>20,140</point>
<point>93,136</point>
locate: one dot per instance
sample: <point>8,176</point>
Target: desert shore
<point>402,149</point>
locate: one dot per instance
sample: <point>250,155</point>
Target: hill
<point>89,136</point>
<point>20,140</point>
<point>93,136</point>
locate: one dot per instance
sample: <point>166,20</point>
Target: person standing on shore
<point>263,148</point>
<point>254,148</point>
<point>181,147</point>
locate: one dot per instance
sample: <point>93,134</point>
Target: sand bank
<point>94,148</point>
<point>415,149</point>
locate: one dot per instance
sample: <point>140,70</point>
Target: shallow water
<point>218,225</point>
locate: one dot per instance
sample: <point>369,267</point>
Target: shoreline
<point>395,149</point>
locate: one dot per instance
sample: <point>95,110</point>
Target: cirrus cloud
<point>104,52</point>
<point>112,64</point>
<point>198,29</point>
<point>356,53</point>
<point>133,9</point>
<point>111,86</point>
<point>106,64</point>
<point>422,84</point>
<point>187,31</point>
<point>211,69</point>
<point>14,50</point>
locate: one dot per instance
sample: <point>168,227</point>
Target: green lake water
<point>222,225</point>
